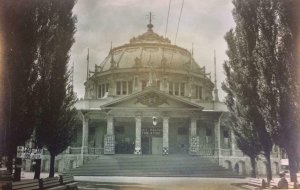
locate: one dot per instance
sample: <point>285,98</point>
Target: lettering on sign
<point>152,132</point>
<point>29,153</point>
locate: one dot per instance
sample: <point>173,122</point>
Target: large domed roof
<point>149,49</point>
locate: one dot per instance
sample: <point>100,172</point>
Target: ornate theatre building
<point>150,97</point>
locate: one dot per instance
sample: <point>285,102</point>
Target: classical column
<point>165,135</point>
<point>217,139</point>
<point>109,138</point>
<point>110,125</point>
<point>138,135</point>
<point>194,139</point>
<point>232,143</point>
<point>85,131</point>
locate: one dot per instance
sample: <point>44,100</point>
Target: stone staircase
<point>152,166</point>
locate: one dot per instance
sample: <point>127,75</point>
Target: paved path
<point>156,183</point>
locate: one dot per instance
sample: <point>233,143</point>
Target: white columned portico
<point>138,135</point>
<point>194,139</point>
<point>85,135</point>
<point>165,135</point>
<point>109,138</point>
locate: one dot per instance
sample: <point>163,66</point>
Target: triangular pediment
<point>151,98</point>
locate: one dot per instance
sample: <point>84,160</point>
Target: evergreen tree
<point>56,98</point>
<point>278,86</point>
<point>19,29</point>
<point>242,84</point>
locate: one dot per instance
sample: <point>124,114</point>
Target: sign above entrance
<point>156,132</point>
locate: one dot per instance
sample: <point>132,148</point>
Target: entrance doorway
<point>157,145</point>
<point>146,145</point>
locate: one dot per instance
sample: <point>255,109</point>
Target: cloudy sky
<point>203,24</point>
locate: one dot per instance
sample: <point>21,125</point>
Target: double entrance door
<point>152,145</point>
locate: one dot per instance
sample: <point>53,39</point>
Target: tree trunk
<point>268,167</point>
<point>37,169</point>
<point>292,164</point>
<point>253,167</point>
<point>9,163</point>
<point>18,166</point>
<point>52,163</point>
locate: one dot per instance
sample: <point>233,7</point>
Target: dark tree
<point>19,29</point>
<point>242,79</point>
<point>278,84</point>
<point>56,98</point>
<point>247,137</point>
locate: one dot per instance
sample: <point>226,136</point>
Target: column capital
<point>138,117</point>
<point>84,114</point>
<point>109,116</point>
<point>165,114</point>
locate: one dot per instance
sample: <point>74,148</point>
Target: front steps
<point>152,166</point>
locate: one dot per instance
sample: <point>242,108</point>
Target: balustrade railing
<point>226,152</point>
<point>75,150</point>
<point>96,151</point>
<point>206,152</point>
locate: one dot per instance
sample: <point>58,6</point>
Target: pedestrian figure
<point>282,183</point>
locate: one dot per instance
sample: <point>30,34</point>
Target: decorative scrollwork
<point>152,99</point>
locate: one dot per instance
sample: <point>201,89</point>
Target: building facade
<point>151,97</point>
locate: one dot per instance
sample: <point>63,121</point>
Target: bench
<point>30,184</point>
<point>51,183</point>
<point>274,183</point>
<point>68,180</point>
<point>255,183</point>
<point>5,175</point>
<point>5,178</point>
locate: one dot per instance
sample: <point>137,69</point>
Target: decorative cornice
<point>152,99</point>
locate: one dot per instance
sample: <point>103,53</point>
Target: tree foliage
<point>242,85</point>
<point>262,76</point>
<point>55,94</point>
<point>278,84</point>
<point>38,37</point>
<point>19,56</point>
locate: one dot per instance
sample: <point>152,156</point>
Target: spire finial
<point>150,25</point>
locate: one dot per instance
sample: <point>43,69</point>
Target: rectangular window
<point>129,87</point>
<point>199,92</point>
<point>135,81</point>
<point>106,87</point>
<point>182,89</point>
<point>208,132</point>
<point>225,133</point>
<point>176,91</point>
<point>124,88</point>
<point>118,88</point>
<point>144,84</point>
<point>102,89</point>
<point>158,84</point>
<point>99,91</point>
<point>171,88</point>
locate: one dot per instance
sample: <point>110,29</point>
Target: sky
<point>202,26</point>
